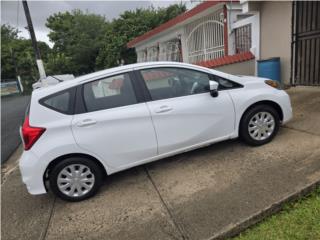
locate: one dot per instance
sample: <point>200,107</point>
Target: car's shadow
<point>186,158</point>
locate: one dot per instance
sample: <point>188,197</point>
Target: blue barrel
<point>270,68</point>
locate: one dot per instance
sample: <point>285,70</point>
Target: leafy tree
<point>13,47</point>
<point>83,42</point>
<point>58,63</point>
<point>8,35</point>
<point>77,38</point>
<point>129,25</point>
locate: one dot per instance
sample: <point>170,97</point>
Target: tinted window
<point>174,82</point>
<point>59,102</point>
<point>110,92</point>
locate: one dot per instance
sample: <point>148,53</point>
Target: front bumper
<point>286,107</point>
<point>32,173</point>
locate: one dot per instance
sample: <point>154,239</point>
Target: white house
<point>232,35</point>
<point>204,35</point>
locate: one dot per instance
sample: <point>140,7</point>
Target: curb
<point>235,229</point>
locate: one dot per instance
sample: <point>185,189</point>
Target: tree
<point>58,63</point>
<point>83,42</point>
<point>13,47</point>
<point>129,25</point>
<point>77,38</point>
<point>8,36</point>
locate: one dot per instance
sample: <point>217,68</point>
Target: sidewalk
<point>196,195</point>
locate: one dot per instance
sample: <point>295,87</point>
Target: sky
<point>12,12</point>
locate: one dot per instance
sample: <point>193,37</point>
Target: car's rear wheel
<point>75,179</point>
<point>259,125</point>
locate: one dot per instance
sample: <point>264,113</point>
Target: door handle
<point>86,122</point>
<point>163,109</point>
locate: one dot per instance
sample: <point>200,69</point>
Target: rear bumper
<point>32,173</point>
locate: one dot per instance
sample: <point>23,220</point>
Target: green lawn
<point>298,220</point>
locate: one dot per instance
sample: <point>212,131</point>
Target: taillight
<point>30,134</point>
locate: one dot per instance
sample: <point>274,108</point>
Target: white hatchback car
<point>79,131</point>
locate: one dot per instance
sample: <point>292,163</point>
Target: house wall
<point>180,30</point>
<point>241,68</point>
<point>275,34</point>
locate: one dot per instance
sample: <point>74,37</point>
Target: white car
<point>79,131</point>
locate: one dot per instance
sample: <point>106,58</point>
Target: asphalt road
<point>12,114</point>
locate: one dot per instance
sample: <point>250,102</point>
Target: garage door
<point>306,43</point>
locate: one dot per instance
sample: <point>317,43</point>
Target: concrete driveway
<point>196,195</point>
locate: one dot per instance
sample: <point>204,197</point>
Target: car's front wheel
<point>75,179</point>
<point>259,125</point>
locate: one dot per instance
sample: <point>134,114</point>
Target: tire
<point>259,123</point>
<point>79,178</point>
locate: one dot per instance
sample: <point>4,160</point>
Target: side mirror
<point>213,85</point>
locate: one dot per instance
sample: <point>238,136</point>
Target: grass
<point>297,221</point>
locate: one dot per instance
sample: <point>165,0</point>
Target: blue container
<point>270,68</point>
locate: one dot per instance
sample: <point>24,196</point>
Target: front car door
<point>184,113</point>
<point>116,127</point>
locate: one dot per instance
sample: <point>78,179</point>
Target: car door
<point>116,126</point>
<point>184,113</point>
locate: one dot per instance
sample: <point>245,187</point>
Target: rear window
<point>60,102</point>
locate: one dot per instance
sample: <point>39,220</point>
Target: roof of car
<point>96,75</point>
<point>133,66</point>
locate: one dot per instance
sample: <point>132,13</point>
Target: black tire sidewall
<point>244,132</point>
<point>94,168</point>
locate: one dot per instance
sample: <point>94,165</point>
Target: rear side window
<point>60,102</point>
<point>110,92</point>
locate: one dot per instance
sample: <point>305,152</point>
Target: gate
<point>205,38</point>
<point>306,43</point>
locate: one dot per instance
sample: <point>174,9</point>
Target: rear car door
<point>116,126</point>
<point>184,113</point>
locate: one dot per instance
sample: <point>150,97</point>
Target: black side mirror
<point>213,86</point>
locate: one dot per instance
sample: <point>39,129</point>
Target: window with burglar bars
<point>170,51</point>
<point>141,56</point>
<point>152,53</point>
<point>166,51</point>
<point>243,38</point>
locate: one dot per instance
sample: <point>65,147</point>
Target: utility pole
<point>41,70</point>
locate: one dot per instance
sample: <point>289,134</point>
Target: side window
<point>225,84</point>
<point>60,102</point>
<point>165,83</point>
<point>110,92</point>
